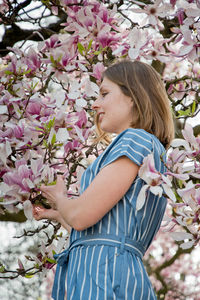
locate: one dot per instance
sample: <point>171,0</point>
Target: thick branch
<point>169,262</point>
<point>157,271</point>
<point>15,34</point>
<point>15,217</point>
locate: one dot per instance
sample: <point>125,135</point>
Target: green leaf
<point>193,107</point>
<point>52,183</point>
<point>186,112</point>
<point>29,275</point>
<point>81,48</point>
<point>39,129</point>
<point>45,2</point>
<point>2,269</point>
<point>50,124</point>
<point>59,58</point>
<point>52,59</point>
<point>52,261</point>
<point>180,183</point>
<point>37,266</point>
<point>53,140</point>
<point>89,45</point>
<point>34,86</point>
<point>27,72</point>
<point>7,72</point>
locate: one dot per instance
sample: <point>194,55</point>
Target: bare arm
<point>108,187</point>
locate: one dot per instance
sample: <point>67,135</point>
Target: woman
<point>109,236</point>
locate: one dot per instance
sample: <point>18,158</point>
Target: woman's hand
<point>53,193</point>
<point>40,213</point>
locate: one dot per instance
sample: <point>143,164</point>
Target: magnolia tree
<point>46,121</point>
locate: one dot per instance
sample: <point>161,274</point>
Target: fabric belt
<point>123,243</point>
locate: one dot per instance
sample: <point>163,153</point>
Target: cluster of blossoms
<point>180,184</point>
<point>47,91</point>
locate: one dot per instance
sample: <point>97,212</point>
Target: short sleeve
<point>135,144</point>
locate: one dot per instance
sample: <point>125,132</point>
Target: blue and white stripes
<point>102,271</point>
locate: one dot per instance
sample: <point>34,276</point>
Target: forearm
<point>63,223</point>
<point>67,209</point>
<point>58,217</point>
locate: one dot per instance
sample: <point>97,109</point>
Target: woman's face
<point>114,109</point>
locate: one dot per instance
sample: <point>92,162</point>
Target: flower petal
<point>180,142</point>
<point>28,210</point>
<point>169,192</point>
<point>141,197</point>
<point>180,236</point>
<point>156,190</point>
<point>187,245</point>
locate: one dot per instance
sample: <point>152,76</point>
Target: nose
<point>96,104</point>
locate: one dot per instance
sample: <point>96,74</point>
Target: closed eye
<point>104,94</point>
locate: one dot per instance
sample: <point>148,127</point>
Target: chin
<point>109,130</point>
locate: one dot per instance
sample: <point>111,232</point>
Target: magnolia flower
<point>190,142</point>
<point>98,70</point>
<point>33,60</point>
<point>153,13</point>
<point>156,182</point>
<point>138,40</point>
<point>21,176</point>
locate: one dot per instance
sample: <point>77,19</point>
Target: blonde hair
<point>151,109</point>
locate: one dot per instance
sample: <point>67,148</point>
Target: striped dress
<point>104,262</point>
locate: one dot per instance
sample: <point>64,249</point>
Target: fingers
<point>40,213</point>
<point>59,185</point>
<point>52,192</point>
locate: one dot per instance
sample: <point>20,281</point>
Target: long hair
<point>151,106</point>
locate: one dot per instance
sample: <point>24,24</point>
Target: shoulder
<point>137,137</point>
<point>133,143</point>
<point>137,133</point>
<point>141,136</point>
<point>140,139</point>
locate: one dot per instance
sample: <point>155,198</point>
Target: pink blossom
<point>153,179</point>
<point>53,42</point>
<point>33,60</point>
<point>8,133</point>
<point>82,119</point>
<point>4,7</point>
<point>98,70</point>
<point>180,15</point>
<point>153,12</point>
<point>18,177</point>
<point>75,145</point>
<point>18,131</point>
<point>34,108</point>
<point>190,142</point>
<point>107,39</point>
